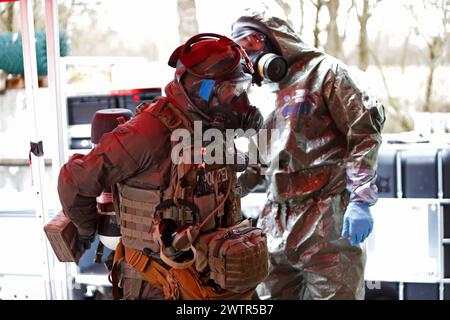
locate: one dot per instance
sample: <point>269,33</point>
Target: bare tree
<point>363,18</point>
<point>336,38</point>
<point>344,34</point>
<point>187,12</point>
<point>405,51</point>
<point>363,45</point>
<point>7,17</point>
<point>38,17</point>
<point>334,41</point>
<point>318,4</point>
<point>87,39</point>
<point>286,8</point>
<point>302,16</point>
<point>398,119</point>
<point>402,118</point>
<point>69,9</point>
<point>65,11</point>
<point>436,43</point>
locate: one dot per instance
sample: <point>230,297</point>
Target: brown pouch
<point>202,244</point>
<point>62,235</point>
<point>233,207</point>
<point>238,258</point>
<point>206,204</point>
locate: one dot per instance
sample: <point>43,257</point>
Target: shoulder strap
<point>168,113</point>
<point>172,117</point>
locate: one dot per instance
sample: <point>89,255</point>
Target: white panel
<point>21,242</point>
<point>22,288</point>
<point>401,246</point>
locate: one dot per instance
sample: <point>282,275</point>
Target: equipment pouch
<point>237,257</point>
<point>205,205</point>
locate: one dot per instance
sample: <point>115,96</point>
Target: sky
<point>157,20</point>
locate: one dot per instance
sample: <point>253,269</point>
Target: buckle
<point>155,257</point>
<point>147,252</point>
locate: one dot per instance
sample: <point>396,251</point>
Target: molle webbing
<point>137,208</point>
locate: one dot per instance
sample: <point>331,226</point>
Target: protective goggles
<point>252,42</point>
<point>226,91</point>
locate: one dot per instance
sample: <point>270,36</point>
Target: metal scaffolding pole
<point>37,164</point>
<point>62,272</point>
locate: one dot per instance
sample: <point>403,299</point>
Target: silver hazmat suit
<point>329,136</point>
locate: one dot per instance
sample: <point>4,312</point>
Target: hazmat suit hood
<point>325,115</point>
<point>284,39</point>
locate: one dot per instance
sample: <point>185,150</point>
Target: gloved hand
<point>358,223</point>
<point>84,242</point>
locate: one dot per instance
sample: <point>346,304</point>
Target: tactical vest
<point>137,207</point>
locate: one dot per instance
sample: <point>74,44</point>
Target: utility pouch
<point>205,205</point>
<point>233,207</point>
<point>237,257</point>
<point>203,240</point>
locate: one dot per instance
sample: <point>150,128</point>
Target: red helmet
<point>215,75</point>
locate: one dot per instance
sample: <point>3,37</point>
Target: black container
<point>446,221</point>
<point>446,291</point>
<point>81,109</point>
<point>387,174</point>
<point>381,290</point>
<point>446,260</point>
<point>419,173</point>
<point>80,143</point>
<point>130,100</point>
<point>446,173</point>
<point>421,291</point>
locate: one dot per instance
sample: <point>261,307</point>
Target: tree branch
<point>352,5</point>
<point>302,15</point>
<point>393,107</point>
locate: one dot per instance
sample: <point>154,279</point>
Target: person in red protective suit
<point>322,165</point>
<point>164,207</point>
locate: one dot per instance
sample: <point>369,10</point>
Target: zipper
<point>229,235</point>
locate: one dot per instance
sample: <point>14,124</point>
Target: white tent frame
<point>57,276</point>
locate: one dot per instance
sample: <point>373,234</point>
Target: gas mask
<point>269,66</point>
<point>215,75</point>
<point>228,103</point>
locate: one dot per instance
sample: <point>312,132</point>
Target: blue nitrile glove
<point>358,222</point>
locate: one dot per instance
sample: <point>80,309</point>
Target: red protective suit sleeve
<point>137,145</point>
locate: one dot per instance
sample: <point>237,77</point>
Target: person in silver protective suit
<point>323,164</point>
